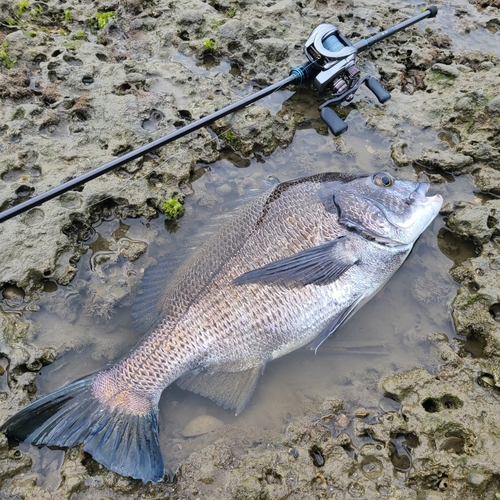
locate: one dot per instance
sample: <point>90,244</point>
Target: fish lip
<point>419,194</point>
<point>422,188</point>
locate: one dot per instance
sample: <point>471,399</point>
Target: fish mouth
<point>419,195</point>
<point>430,205</point>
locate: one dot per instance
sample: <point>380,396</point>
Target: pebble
<point>13,293</point>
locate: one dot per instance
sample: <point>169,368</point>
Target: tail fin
<point>123,442</point>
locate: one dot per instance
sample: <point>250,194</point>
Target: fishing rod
<point>331,65</point>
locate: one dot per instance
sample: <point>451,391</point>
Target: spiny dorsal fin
<point>162,280</point>
<point>147,307</point>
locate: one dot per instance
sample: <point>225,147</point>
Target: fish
<point>285,271</point>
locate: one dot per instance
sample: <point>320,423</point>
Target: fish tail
<point>124,442</point>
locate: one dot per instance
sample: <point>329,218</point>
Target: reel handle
<point>336,125</point>
<point>380,93</point>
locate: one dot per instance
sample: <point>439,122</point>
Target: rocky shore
<point>84,82</point>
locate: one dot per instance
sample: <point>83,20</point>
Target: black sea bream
<point>284,272</point>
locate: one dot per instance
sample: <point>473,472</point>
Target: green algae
<point>173,209</point>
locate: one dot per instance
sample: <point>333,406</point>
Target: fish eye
<point>383,180</point>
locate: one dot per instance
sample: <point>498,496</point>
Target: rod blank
<point>137,153</point>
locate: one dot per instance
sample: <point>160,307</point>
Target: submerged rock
<point>201,425</point>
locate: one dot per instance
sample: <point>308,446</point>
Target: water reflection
<point>462,28</point>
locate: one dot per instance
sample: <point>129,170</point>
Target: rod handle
<point>433,11</point>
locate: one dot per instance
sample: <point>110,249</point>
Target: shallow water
<point>378,339</point>
<point>469,26</point>
<point>455,20</point>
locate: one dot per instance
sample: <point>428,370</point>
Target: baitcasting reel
<point>334,58</point>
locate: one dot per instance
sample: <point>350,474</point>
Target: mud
<point>79,88</point>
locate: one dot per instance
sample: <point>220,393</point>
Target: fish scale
<point>201,327</point>
<point>287,270</point>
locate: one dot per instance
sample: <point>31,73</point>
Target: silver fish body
<point>286,271</point>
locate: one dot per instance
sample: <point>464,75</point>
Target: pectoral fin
<point>227,389</point>
<point>320,265</point>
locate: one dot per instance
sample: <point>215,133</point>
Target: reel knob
<point>380,93</point>
<point>336,125</point>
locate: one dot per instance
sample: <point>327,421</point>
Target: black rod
<point>132,155</point>
<point>364,44</point>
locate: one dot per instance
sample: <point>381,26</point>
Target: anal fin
<point>227,389</point>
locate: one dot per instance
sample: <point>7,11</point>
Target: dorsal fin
<point>160,280</point>
<point>148,304</point>
<point>170,288</point>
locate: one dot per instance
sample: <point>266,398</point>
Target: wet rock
<point>361,413</point>
<point>447,70</point>
<point>475,306</point>
<point>12,462</point>
<point>273,48</point>
<point>130,249</point>
<point>476,222</point>
<point>463,103</point>
<point>232,29</point>
<point>488,179</point>
<point>493,106</point>
<point>258,130</point>
<point>451,432</point>
<point>13,295</point>
<point>398,155</point>
<point>449,161</point>
<point>484,153</point>
<point>389,424</point>
<point>440,40</point>
<point>201,425</point>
